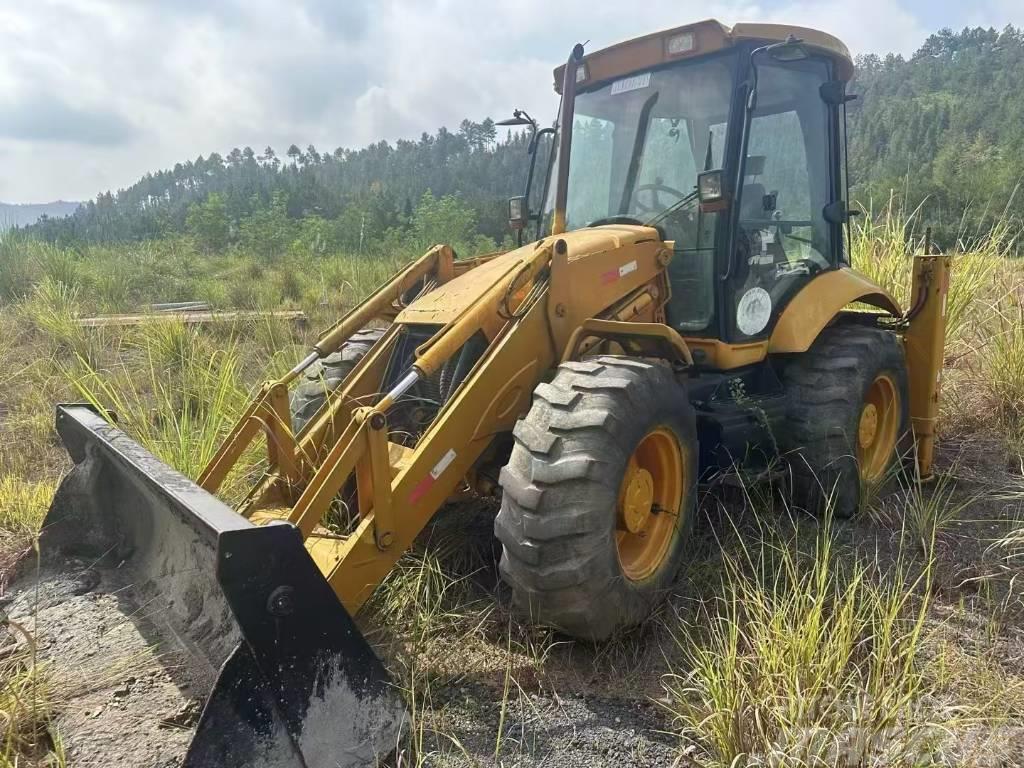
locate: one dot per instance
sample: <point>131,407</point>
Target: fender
<point>651,339</point>
<point>817,304</point>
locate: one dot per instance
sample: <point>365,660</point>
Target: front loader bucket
<point>292,681</point>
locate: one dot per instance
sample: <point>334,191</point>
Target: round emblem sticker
<point>754,311</point>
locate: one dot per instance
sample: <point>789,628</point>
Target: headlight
<point>679,44</point>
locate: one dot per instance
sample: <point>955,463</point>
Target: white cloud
<point>137,85</point>
<point>997,13</point>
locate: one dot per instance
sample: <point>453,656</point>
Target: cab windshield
<point>639,142</point>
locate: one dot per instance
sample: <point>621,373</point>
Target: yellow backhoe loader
<point>686,308</point>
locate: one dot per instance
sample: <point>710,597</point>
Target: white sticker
<point>625,269</point>
<point>788,270</point>
<point>634,83</point>
<point>754,311</point>
<point>442,465</point>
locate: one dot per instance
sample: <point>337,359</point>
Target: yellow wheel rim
<point>877,430</point>
<point>650,496</point>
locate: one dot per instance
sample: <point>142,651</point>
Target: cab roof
<point>697,39</point>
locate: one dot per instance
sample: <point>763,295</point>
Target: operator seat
<point>763,237</point>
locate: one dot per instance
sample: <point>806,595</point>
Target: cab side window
<point>782,237</point>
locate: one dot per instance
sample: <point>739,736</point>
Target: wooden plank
<point>190,318</point>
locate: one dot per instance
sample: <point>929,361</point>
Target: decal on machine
<point>754,311</point>
<point>424,485</point>
<point>613,275</point>
<point>634,83</point>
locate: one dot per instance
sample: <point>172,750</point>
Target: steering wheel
<point>655,188</point>
<point>616,220</point>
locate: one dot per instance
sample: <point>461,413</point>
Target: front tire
<point>597,495</point>
<point>848,421</point>
<point>325,376</point>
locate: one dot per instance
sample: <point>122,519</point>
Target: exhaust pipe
<point>293,683</point>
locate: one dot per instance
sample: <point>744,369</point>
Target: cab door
<point>782,238</point>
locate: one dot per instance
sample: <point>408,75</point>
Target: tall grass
<point>23,503</point>
<point>805,658</point>
<point>129,277</point>
<point>885,242</point>
<point>180,404</point>
<point>1003,365</point>
<point>983,383</point>
<point>27,736</point>
<point>53,308</point>
<point>430,590</point>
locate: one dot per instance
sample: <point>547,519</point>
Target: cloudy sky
<point>93,93</point>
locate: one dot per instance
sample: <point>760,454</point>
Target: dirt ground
<point>504,695</point>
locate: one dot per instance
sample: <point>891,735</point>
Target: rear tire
<point>326,375</point>
<point>592,433</point>
<point>829,421</point>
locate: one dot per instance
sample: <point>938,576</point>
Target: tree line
<point>943,129</point>
<point>347,198</point>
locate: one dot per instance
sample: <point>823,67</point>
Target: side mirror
<point>711,191</point>
<point>519,117</point>
<point>518,212</point>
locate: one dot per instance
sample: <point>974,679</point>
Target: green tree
<point>207,221</point>
<point>442,220</point>
<point>268,231</point>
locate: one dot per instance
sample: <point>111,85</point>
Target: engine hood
<point>448,301</point>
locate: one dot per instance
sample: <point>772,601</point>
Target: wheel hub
<point>650,495</point>
<point>637,500</point>
<point>878,429</point>
<point>868,425</point>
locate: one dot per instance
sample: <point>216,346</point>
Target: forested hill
<point>362,193</point>
<point>945,126</point>
<point>22,214</point>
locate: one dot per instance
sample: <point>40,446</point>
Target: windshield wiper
<point>672,209</point>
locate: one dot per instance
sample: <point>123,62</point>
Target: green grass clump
<point>53,309</point>
<point>1003,367</point>
<point>27,737</point>
<point>179,404</point>
<point>430,589</point>
<point>23,504</point>
<point>885,242</point>
<point>805,658</point>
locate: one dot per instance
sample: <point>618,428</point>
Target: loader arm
<point>396,499</point>
<point>529,307</point>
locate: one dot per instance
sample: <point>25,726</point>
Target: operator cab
<point>757,111</point>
